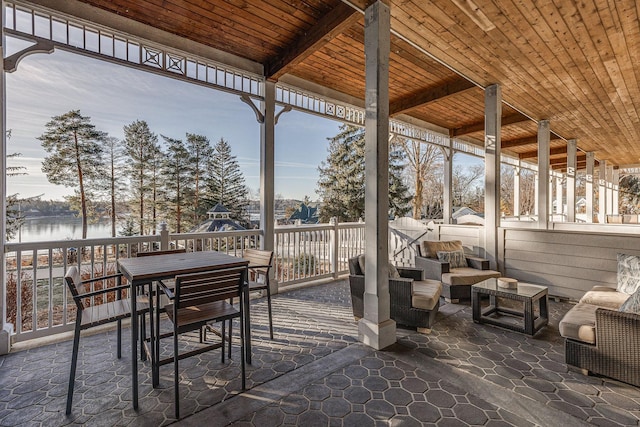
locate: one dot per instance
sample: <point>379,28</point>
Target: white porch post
<point>447,191</point>
<point>492,142</point>
<point>376,328</point>
<point>536,183</point>
<point>6,329</point>
<point>615,194</point>
<point>559,194</point>
<point>589,186</point>
<point>571,180</point>
<point>609,176</point>
<point>602,192</point>
<point>516,191</point>
<point>267,166</point>
<point>543,174</point>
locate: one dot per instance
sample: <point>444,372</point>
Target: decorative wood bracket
<point>41,46</point>
<point>285,109</point>
<point>256,110</point>
<point>446,153</point>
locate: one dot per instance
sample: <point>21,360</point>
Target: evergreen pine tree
<point>225,183</point>
<point>178,181</point>
<point>342,176</point>
<point>139,145</point>
<point>200,151</point>
<point>75,155</point>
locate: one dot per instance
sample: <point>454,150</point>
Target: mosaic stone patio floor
<point>316,373</point>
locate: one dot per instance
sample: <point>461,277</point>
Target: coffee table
<point>524,320</point>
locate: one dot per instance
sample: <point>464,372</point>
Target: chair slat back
<point>74,283</point>
<point>211,286</point>
<point>167,252</point>
<point>258,257</point>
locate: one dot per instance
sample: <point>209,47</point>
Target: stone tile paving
<point>532,367</point>
<point>33,383</point>
<point>381,390</point>
<point>311,324</point>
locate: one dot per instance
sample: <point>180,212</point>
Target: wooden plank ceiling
<point>569,62</point>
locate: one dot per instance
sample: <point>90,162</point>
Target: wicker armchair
<point>414,301</point>
<point>616,352</point>
<point>456,282</point>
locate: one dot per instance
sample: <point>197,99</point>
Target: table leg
<point>528,316</point>
<point>475,306</point>
<point>247,322</point>
<point>134,346</point>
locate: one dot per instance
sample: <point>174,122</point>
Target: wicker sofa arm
<point>410,273</point>
<point>618,331</point>
<point>433,268</point>
<point>477,263</point>
<point>400,292</point>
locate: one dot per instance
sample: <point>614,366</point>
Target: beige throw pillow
<point>430,248</point>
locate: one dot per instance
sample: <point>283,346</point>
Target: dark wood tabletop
<point>146,269</point>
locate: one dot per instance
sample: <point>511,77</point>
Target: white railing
<point>39,305</point>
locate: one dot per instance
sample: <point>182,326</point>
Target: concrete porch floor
<point>316,373</point>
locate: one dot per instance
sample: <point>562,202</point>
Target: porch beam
<point>543,174</point>
<point>326,29</point>
<point>423,97</point>
<point>479,126</point>
<point>492,126</point>
<point>528,140</point>
<point>6,329</point>
<point>615,199</point>
<point>267,166</point>
<point>516,191</point>
<point>589,186</point>
<point>376,328</point>
<point>602,192</point>
<point>533,154</point>
<point>572,167</point>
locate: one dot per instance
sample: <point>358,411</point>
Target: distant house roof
<point>306,214</point>
<point>461,211</point>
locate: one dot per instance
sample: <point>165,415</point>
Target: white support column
<point>559,195</point>
<point>536,183</point>
<point>267,166</point>
<point>589,185</point>
<point>447,191</point>
<point>571,179</point>
<point>543,174</point>
<point>602,192</point>
<point>492,142</point>
<point>615,197</point>
<point>376,328</point>
<point>609,178</point>
<point>516,191</point>
<point>6,329</point>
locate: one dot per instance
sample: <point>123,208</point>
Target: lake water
<point>60,228</point>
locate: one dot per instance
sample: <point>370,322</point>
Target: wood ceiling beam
<point>563,160</point>
<point>327,28</point>
<point>552,152</point>
<point>419,98</point>
<point>512,143</point>
<point>478,126</point>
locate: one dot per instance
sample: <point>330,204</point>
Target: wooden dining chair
<point>196,300</point>
<point>89,316</point>
<point>154,316</point>
<point>260,263</point>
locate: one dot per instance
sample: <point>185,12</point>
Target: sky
<point>113,96</point>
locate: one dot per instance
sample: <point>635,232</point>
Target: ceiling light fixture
<point>475,14</point>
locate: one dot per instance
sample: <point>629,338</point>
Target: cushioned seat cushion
<point>467,276</point>
<point>580,323</point>
<point>425,294</point>
<point>608,298</point>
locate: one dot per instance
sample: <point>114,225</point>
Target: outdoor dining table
<point>143,271</point>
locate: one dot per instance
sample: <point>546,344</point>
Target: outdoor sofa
<point>602,331</point>
<point>414,300</point>
<point>446,261</point>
